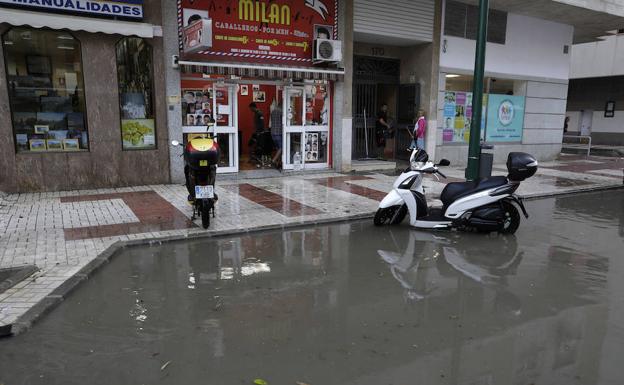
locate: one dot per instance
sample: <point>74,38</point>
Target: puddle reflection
<point>343,305</point>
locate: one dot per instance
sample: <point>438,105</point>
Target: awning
<point>260,71</point>
<point>77,23</point>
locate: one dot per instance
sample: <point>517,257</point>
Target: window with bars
<point>461,20</point>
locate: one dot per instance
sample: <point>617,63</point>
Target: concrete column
<point>343,114</point>
<point>431,105</point>
<point>172,88</point>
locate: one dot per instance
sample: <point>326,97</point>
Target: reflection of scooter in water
<point>405,266</point>
<point>458,256</point>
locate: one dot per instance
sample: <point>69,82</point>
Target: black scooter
<point>201,155</point>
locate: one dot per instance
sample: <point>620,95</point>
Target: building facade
<point>80,105</point>
<point>92,97</point>
<point>265,54</point>
<point>596,94</point>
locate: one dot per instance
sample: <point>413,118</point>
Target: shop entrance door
<point>225,113</point>
<point>306,127</point>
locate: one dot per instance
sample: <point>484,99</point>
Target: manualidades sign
<point>128,9</point>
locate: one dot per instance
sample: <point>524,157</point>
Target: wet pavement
<point>65,233</point>
<point>349,304</point>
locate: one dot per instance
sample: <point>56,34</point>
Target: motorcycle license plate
<point>203,163</point>
<point>204,192</point>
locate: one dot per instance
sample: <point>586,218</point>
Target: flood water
<point>350,304</point>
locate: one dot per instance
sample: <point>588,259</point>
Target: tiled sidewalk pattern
<point>61,232</point>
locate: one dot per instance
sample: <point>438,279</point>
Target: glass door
<point>306,128</point>
<point>225,115</point>
<point>292,155</point>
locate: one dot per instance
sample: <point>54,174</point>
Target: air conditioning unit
<point>326,50</point>
<point>197,36</point>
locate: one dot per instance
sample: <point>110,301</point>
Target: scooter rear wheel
<point>511,219</point>
<point>205,213</point>
<point>392,215</point>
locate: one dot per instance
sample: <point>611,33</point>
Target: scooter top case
<point>520,166</point>
<point>201,153</point>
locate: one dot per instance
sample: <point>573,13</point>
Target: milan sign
<point>267,31</point>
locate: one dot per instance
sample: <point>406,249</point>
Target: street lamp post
<point>474,146</point>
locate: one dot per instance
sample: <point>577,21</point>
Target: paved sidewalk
<point>69,234</point>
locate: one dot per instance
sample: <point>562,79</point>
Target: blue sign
<point>129,9</point>
<point>505,118</point>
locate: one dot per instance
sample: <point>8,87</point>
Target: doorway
<point>296,119</point>
<point>586,122</point>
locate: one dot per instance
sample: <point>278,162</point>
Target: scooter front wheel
<point>392,215</point>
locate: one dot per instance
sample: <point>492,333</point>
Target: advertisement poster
<point>312,148</point>
<point>264,31</point>
<point>457,116</point>
<point>505,118</point>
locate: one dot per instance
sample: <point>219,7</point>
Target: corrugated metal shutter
<point>404,19</point>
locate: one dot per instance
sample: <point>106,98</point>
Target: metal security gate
<point>369,74</point>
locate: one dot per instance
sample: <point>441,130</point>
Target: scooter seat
<point>456,190</point>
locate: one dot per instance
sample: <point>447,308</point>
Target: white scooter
<point>486,205</point>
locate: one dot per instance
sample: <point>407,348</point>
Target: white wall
<point>599,122</point>
<point>602,124</point>
<point>597,59</point>
<point>398,22</point>
<point>534,48</point>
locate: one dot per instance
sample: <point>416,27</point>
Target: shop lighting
<point>65,47</point>
<point>452,76</point>
<point>65,37</point>
<point>8,42</point>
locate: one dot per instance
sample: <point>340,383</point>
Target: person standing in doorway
<point>381,129</point>
<point>275,123</point>
<point>420,128</point>
<point>565,124</point>
<point>258,117</point>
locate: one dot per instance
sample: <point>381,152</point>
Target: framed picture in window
<point>71,145</point>
<point>38,65</point>
<point>54,145</point>
<point>37,144</point>
<point>609,109</point>
<point>41,128</point>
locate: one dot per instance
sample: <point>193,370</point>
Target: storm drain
<point>9,278</point>
<point>14,275</point>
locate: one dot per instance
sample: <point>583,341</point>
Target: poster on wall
<point>457,116</point>
<point>505,118</point>
<point>138,133</point>
<point>312,148</point>
<point>266,31</point>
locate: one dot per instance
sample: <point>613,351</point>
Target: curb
<point>32,315</point>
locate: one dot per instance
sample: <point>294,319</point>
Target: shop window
<point>46,90</point>
<point>136,89</point>
<point>317,105</point>
<point>461,20</point>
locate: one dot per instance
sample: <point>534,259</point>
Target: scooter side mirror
<point>175,143</point>
<point>444,162</point>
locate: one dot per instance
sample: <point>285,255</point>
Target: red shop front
<point>260,52</point>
